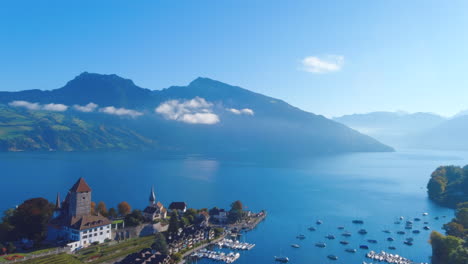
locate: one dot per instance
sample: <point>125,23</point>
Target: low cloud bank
<point>194,111</point>
<point>36,106</point>
<point>86,108</point>
<point>245,111</point>
<point>111,110</point>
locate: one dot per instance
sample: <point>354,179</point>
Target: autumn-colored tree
<point>93,208</point>
<point>112,213</point>
<point>101,208</point>
<point>124,208</point>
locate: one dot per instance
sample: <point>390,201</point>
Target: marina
<point>234,244</point>
<point>388,258</point>
<point>216,255</point>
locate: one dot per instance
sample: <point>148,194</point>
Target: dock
<point>389,258</point>
<point>216,255</point>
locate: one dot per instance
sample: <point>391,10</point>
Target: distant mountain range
<point>394,128</point>
<point>418,130</point>
<point>96,112</point>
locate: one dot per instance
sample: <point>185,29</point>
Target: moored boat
<point>320,244</point>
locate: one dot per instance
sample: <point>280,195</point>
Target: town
<point>76,230</point>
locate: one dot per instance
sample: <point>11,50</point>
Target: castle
<point>73,222</point>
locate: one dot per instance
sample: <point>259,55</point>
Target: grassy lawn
<point>102,253</point>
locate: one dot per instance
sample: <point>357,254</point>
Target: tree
<point>124,208</point>
<point>236,213</point>
<point>173,223</point>
<point>135,218</point>
<point>3,249</point>
<point>30,219</point>
<point>93,208</point>
<point>112,213</point>
<point>102,209</point>
<point>454,229</point>
<point>176,257</point>
<point>160,244</point>
<point>462,216</point>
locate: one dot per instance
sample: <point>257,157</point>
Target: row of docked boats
<point>234,244</point>
<point>216,256</point>
<point>388,257</point>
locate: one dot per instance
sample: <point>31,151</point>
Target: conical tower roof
<point>152,197</point>
<point>58,203</point>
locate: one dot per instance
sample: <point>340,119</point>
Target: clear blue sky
<point>386,55</point>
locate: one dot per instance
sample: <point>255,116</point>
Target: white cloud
<point>25,104</point>
<point>194,111</point>
<point>120,111</point>
<point>245,111</point>
<point>86,108</point>
<point>37,106</point>
<point>325,64</point>
<point>55,107</point>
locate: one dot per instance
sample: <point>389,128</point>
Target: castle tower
<point>58,207</point>
<point>80,199</point>
<point>152,198</point>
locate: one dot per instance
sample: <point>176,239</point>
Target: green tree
<point>236,213</point>
<point>11,248</point>
<point>160,244</point>
<point>176,257</point>
<point>134,218</point>
<point>462,216</point>
<point>124,208</point>
<point>454,229</point>
<point>173,223</point>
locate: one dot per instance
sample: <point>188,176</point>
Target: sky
<point>326,57</point>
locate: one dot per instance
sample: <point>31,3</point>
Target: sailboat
<point>281,259</point>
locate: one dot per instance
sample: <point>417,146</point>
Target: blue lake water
<point>374,187</point>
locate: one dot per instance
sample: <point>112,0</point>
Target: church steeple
<point>58,203</point>
<point>152,198</point>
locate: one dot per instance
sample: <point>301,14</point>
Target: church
<point>155,210</point>
<point>73,222</point>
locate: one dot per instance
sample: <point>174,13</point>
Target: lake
<point>374,187</point>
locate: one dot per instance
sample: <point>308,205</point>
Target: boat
<point>319,222</point>
<point>341,227</point>
<point>387,231</point>
<point>416,231</point>
<point>425,214</point>
<point>364,247</point>
<point>346,234</point>
<point>436,218</point>
<point>397,222</point>
<point>390,239</point>
<point>409,243</point>
<point>282,259</point>
<point>358,222</point>
<point>344,242</point>
<point>426,228</point>
<point>301,236</point>
<point>373,241</point>
<point>311,228</point>
<point>401,218</point>
<point>392,247</point>
<point>409,222</point>
<point>320,244</point>
<point>351,250</point>
<point>409,227</point>
<point>401,232</point>
<point>332,257</point>
<point>295,246</point>
<point>362,231</point>
<point>410,239</point>
<point>417,219</point>
<point>330,237</point>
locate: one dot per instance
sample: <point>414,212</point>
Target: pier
<point>228,243</point>
<point>216,255</point>
<point>389,258</point>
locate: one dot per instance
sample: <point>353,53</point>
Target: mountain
<point>449,135</point>
<point>204,116</point>
<point>395,128</point>
<point>22,130</point>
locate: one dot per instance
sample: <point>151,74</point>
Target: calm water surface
<point>374,187</point>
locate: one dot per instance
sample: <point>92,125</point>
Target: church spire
<point>152,198</point>
<point>58,203</point>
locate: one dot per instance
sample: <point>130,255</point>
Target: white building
<point>73,223</point>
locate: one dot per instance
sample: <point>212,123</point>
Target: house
<point>146,256</point>
<point>155,210</point>
<point>188,237</point>
<point>72,221</point>
<point>180,207</point>
<point>219,215</point>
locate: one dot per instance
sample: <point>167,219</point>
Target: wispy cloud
<point>194,111</point>
<point>86,108</point>
<point>111,110</point>
<point>323,64</point>
<point>55,107</point>
<point>245,111</point>
<point>25,104</point>
<point>37,106</point>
